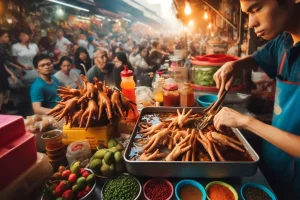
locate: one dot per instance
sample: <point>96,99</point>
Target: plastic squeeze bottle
<point>128,84</point>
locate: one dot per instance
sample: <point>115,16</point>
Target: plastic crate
<point>94,135</point>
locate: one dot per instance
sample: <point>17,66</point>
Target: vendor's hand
<point>230,118</point>
<point>224,77</point>
<point>28,67</point>
<point>14,79</point>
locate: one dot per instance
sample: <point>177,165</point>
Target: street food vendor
<point>278,21</point>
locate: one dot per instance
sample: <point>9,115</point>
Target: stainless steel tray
<point>195,169</point>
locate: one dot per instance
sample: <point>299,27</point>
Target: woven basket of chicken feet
<point>166,142</point>
<point>93,104</point>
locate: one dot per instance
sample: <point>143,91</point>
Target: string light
<point>205,15</point>
<point>187,9</point>
<point>209,25</point>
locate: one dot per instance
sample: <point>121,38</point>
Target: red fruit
<point>81,194</point>
<point>67,195</point>
<point>87,189</point>
<point>58,191</point>
<point>82,170</point>
<point>64,185</point>
<point>72,178</point>
<point>61,169</point>
<point>85,174</point>
<point>66,174</point>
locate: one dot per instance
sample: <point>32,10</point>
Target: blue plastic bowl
<point>182,183</point>
<point>206,100</point>
<point>266,190</point>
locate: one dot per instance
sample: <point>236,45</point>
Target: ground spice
<point>190,192</point>
<point>220,192</point>
<point>254,193</point>
<point>158,190</point>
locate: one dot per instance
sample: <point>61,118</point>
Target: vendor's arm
<point>288,142</point>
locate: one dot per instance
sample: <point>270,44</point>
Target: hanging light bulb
<point>212,34</point>
<point>191,23</point>
<point>209,25</point>
<point>205,15</point>
<point>187,9</point>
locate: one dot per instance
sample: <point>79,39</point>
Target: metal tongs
<point>210,112</point>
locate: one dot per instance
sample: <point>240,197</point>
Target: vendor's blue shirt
<point>45,93</point>
<point>269,58</point>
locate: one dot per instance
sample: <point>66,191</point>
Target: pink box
<point>11,127</point>
<point>16,157</point>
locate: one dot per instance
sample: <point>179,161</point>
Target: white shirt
<point>62,44</point>
<point>82,43</point>
<point>25,54</point>
<point>68,80</point>
<point>140,62</point>
<point>91,50</point>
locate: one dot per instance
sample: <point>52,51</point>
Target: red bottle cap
<point>126,72</point>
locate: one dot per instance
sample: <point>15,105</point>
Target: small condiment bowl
<point>236,197</point>
<point>137,196</point>
<point>196,184</point>
<point>161,179</point>
<point>206,100</point>
<point>263,188</point>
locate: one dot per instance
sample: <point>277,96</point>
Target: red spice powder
<point>220,192</point>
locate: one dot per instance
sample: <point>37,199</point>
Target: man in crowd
<point>102,69</point>
<point>43,91</point>
<point>62,43</point>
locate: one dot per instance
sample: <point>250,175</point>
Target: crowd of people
<point>50,62</point>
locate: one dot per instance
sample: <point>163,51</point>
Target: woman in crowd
<point>67,76</point>
<point>82,60</point>
<point>23,53</point>
<point>142,67</point>
<point>157,56</point>
<point>120,61</point>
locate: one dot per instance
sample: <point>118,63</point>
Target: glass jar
<point>171,95</point>
<point>186,96</point>
<point>158,90</point>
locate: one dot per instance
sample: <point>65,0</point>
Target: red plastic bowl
<point>155,179</point>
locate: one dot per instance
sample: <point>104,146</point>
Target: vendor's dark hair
<point>147,58</point>
<point>65,58</point>
<point>77,60</point>
<point>38,58</point>
<point>3,31</point>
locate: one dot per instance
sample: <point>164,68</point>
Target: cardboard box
<point>11,127</point>
<point>16,157</point>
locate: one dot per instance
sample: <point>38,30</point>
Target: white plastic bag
<point>78,151</point>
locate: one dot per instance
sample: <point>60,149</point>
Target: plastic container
<point>204,68</point>
<point>263,188</point>
<point>206,100</point>
<point>171,95</point>
<point>236,197</point>
<point>11,127</point>
<point>128,84</point>
<point>53,139</point>
<point>187,96</point>
<point>16,157</point>
<point>196,184</point>
<point>163,180</point>
<point>78,151</point>
<point>94,135</point>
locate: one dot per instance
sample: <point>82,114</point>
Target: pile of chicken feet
<point>183,142</point>
<point>79,106</point>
